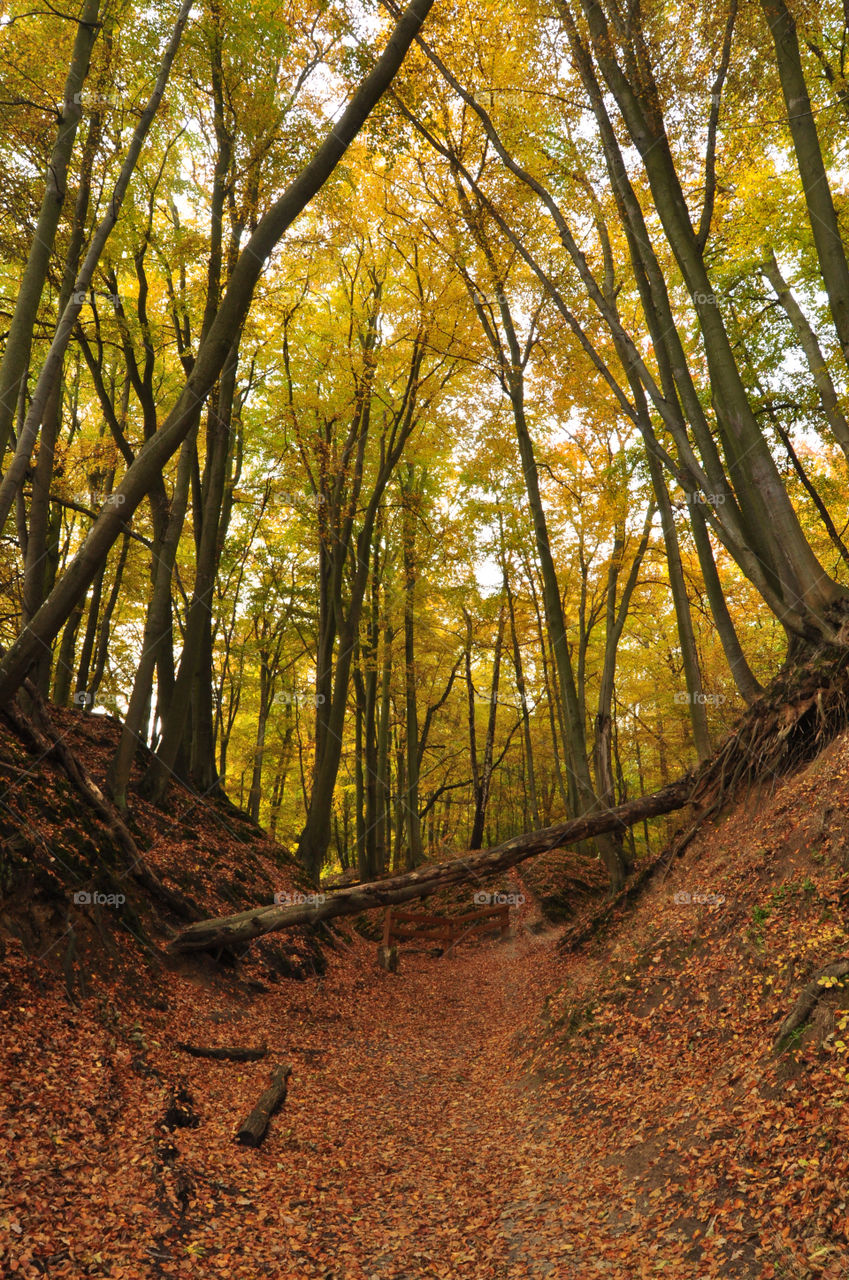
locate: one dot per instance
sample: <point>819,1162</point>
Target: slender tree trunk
<point>174,735</point>
<point>552,699</point>
<point>65,667</point>
<point>529,779</point>
<point>16,353</point>
<point>400,807</point>
<point>415,853</point>
<point>265,690</point>
<point>822,215</point>
<point>483,773</point>
<point>684,618</point>
<point>82,691</point>
<point>157,624</point>
<point>744,679</point>
<point>363,867</point>
<point>382,850</point>
<point>809,343</point>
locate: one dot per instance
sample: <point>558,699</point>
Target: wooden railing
<point>402,926</point>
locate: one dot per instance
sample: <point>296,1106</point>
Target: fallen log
<point>246,925</point>
<point>252,1129</point>
<point>234,1053</point>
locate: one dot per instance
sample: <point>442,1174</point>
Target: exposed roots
<point>801,711</point>
<point>809,998</point>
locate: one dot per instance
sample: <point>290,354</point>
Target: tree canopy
<point>426,425</point>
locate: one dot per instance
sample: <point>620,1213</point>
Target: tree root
<point>803,709</point>
<point>808,999</point>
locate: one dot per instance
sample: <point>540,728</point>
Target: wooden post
<point>387,958</point>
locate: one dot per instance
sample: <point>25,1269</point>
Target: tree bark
<point>809,343</point>
<point>252,1129</point>
<point>409,515</point>
<point>236,1053</point>
<point>822,215</point>
<point>747,685</point>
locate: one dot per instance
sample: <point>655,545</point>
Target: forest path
<point>418,1144</point>
<point>457,1171</point>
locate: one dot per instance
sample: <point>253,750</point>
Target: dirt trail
<point>459,1173</point>
<point>432,1153</point>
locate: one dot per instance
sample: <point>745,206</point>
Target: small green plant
<point>791,1041</point>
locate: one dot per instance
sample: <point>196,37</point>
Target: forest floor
<point>512,1109</point>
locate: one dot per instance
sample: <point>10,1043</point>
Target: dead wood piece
<point>232,1053</point>
<point>252,1129</point>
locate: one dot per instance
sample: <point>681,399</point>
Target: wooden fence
<point>402,926</point>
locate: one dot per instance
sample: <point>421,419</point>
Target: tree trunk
<point>747,685</point>
<point>530,771</point>
<point>822,215</point>
<point>809,343</point>
<point>252,1129</point>
<point>683,616</point>
<point>409,494</point>
<point>16,353</point>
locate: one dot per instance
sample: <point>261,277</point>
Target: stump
<point>252,1129</point>
<point>387,958</point>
